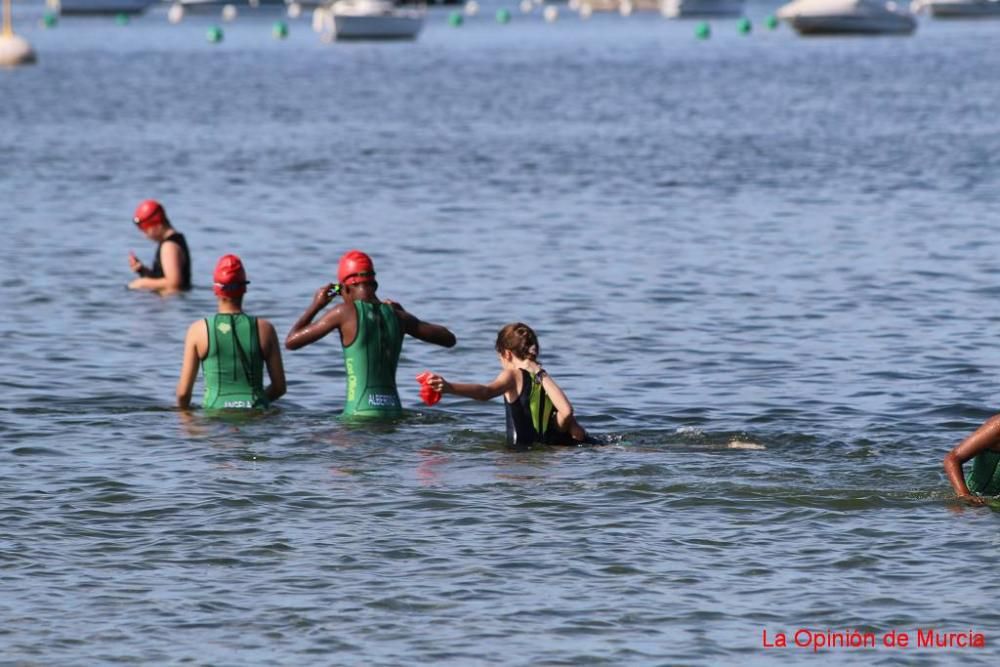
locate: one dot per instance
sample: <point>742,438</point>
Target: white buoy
<point>294,10</point>
<point>14,50</point>
<point>586,10</point>
<point>229,12</point>
<point>319,19</point>
<point>551,13</point>
<point>625,8</point>
<point>527,6</point>
<point>471,8</point>
<point>573,5</point>
<point>176,13</point>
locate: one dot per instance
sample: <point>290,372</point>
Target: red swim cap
<point>230,278</point>
<point>149,213</point>
<point>355,267</point>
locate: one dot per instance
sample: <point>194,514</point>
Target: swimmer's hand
<point>438,384</point>
<point>134,264</point>
<point>973,499</point>
<point>325,294</point>
<point>394,304</point>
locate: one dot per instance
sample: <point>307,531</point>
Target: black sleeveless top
<point>157,270</point>
<point>521,431</point>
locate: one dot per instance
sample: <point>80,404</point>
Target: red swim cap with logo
<point>355,267</point>
<point>230,278</point>
<point>149,213</point>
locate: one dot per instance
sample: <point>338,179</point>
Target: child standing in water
<point>536,407</point>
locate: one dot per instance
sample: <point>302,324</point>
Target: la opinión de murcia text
<point>921,638</point>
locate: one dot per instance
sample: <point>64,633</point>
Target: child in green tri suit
<point>983,448</point>
<point>537,410</point>
<point>371,335</point>
<point>233,349</point>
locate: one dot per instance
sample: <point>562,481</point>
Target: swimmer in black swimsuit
<point>537,410</point>
<point>171,271</point>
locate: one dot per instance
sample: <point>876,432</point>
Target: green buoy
<point>771,22</point>
<point>214,34</point>
<point>744,26</point>
<point>121,18</point>
<point>702,30</point>
<point>49,19</point>
<point>503,16</point>
<point>279,30</point>
<point>455,19</point>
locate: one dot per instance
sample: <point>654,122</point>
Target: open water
<point>765,269</point>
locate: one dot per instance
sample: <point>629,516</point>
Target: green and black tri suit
<point>370,362</point>
<point>234,365</point>
<point>531,418</point>
<point>984,478</point>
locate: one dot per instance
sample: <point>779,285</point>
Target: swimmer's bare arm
<point>195,347</point>
<point>425,331</point>
<point>172,261</point>
<point>985,437</point>
<point>503,383</point>
<point>305,331</point>
<point>271,350</point>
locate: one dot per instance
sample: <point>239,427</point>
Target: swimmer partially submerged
<point>983,449</point>
<point>537,410</point>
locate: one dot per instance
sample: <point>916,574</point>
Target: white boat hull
<point>962,9</point>
<point>852,25</point>
<point>86,7</point>
<point>401,26</point>
<point>680,9</point>
<point>847,17</point>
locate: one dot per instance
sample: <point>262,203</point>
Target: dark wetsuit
<point>157,270</point>
<point>531,419</point>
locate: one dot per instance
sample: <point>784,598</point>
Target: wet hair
<point>520,340</point>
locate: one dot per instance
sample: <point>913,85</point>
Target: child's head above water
<point>520,340</point>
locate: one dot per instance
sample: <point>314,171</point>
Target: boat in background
<point>847,17</point>
<point>957,9</point>
<point>375,19</point>
<point>701,8</point>
<point>217,5</point>
<point>85,7</point>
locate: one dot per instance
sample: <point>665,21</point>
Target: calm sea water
<point>763,268</point>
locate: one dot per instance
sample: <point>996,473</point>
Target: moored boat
<point>847,17</point>
<point>85,7</point>
<point>958,9</point>
<point>701,8</point>
<point>375,19</point>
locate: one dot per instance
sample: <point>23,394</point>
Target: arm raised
<point>304,331</point>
